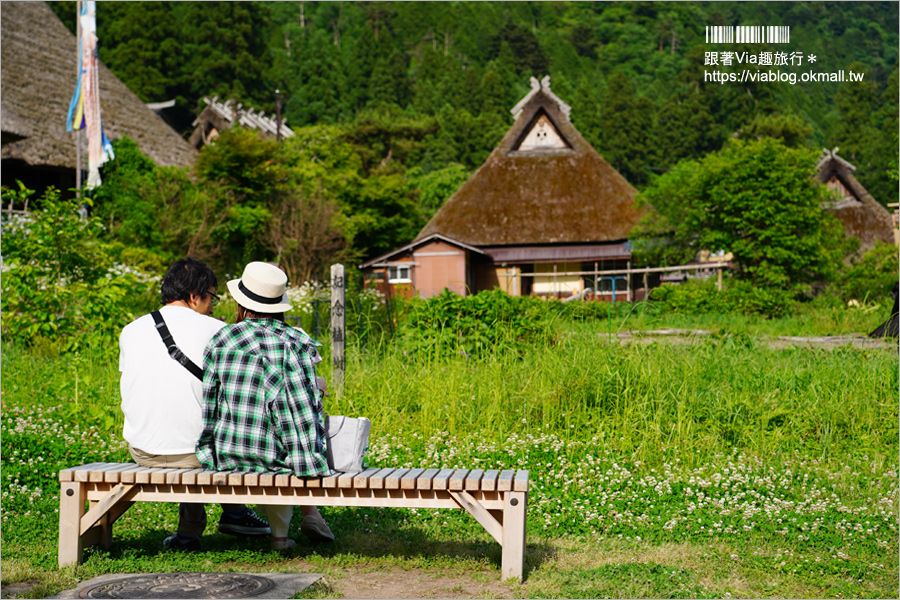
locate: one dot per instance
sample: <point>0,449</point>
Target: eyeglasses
<point>214,296</point>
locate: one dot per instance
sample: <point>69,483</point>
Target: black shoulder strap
<point>174,351</point>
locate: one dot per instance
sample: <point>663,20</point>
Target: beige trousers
<point>191,516</point>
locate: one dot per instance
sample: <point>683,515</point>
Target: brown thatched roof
<point>563,193</point>
<point>38,78</point>
<point>861,215</point>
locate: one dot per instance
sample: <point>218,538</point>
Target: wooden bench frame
<point>497,499</point>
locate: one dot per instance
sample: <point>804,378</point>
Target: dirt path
<point>394,582</point>
<point>690,336</point>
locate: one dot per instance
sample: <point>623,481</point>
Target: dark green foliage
<point>757,200</point>
<point>703,297</point>
<point>871,276</point>
<point>626,124</point>
<point>478,324</point>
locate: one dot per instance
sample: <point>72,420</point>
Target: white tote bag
<point>348,440</point>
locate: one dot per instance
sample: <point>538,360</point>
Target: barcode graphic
<point>748,34</point>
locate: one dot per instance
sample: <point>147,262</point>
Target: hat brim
<point>257,307</point>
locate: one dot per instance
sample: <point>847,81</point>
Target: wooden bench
<point>497,499</point>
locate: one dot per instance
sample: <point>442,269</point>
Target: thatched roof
<point>558,190</point>
<point>219,116</point>
<point>862,216</point>
<point>38,78</point>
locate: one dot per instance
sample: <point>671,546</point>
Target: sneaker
<point>283,543</point>
<point>316,529</point>
<point>245,524</point>
<point>176,542</point>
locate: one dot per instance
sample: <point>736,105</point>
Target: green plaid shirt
<point>262,410</point>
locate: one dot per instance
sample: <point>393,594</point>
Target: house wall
<point>546,283</point>
<point>439,265</point>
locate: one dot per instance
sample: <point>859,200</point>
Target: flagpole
<point>79,133</point>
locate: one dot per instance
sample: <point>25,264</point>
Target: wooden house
<point>39,70</point>
<point>218,116</point>
<point>543,212</point>
<point>860,214</point>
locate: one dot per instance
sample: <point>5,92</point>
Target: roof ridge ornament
<point>538,86</point>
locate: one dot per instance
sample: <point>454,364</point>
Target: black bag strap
<point>174,351</point>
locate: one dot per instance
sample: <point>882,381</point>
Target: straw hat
<point>262,288</point>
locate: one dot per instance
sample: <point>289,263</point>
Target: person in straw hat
<point>262,408</point>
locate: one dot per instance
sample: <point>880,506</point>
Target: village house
<point>539,217</point>
<point>860,214</point>
<point>39,70</point>
<point>219,116</point>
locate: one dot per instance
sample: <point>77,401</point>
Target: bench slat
<point>392,481</point>
<point>345,480</point>
<point>330,481</point>
<point>189,477</point>
<point>504,484</point>
<point>98,474</point>
<point>251,479</point>
<point>313,482</point>
<point>489,480</point>
<point>282,479</point>
<point>78,473</point>
<point>297,482</point>
<point>376,481</point>
<point>113,475</point>
<point>423,482</point>
<point>236,478</point>
<point>441,481</point>
<point>408,481</point>
<point>159,476</point>
<point>458,479</point>
<point>473,480</point>
<point>520,484</point>
<point>205,477</point>
<point>266,479</point>
<point>143,475</point>
<point>361,481</point>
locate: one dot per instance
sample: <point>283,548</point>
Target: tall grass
<point>653,401</point>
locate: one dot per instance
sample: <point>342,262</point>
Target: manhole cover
<point>181,585</point>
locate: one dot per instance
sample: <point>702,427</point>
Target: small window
<point>398,275</point>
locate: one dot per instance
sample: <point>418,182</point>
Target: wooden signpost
<point>338,328</point>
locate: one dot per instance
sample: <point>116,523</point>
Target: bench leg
<point>512,563</point>
<point>71,508</point>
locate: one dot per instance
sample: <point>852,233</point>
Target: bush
<point>700,297</point>
<point>476,324</point>
<point>871,276</point>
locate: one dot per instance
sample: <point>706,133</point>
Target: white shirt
<point>160,398</point>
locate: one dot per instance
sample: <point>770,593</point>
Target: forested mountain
<point>420,92</point>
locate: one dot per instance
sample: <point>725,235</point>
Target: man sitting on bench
<point>161,393</point>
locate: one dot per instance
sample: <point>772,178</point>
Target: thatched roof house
<point>39,70</point>
<point>219,116</point>
<point>861,215</point>
<point>545,205</point>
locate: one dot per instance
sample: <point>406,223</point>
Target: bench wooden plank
<point>489,481</point>
<point>504,483</point>
<point>266,479</point>
<point>297,482</point>
<point>520,484</point>
<point>330,481</point>
<point>236,478</point>
<point>83,473</point>
<point>115,475</point>
<point>408,481</point>
<point>345,480</point>
<point>458,479</point>
<point>314,482</point>
<point>282,479</point>
<point>423,481</point>
<point>143,475</point>
<point>473,480</point>
<point>441,481</point>
<point>189,477</point>
<point>376,481</point>
<point>361,481</point>
<point>205,477</point>
<point>251,479</point>
<point>392,481</point>
<point>98,474</point>
<point>159,476</point>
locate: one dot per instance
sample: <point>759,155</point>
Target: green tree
<point>626,125</point>
<point>757,200</point>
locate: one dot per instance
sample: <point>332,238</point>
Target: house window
<point>399,275</point>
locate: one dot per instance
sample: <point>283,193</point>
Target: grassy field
<point>714,469</point>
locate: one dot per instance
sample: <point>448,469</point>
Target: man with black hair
<point>161,397</point>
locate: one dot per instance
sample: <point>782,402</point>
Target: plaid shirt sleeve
<point>210,413</point>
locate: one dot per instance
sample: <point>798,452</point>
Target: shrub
<point>871,276</point>
<point>475,324</point>
<point>700,297</point>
